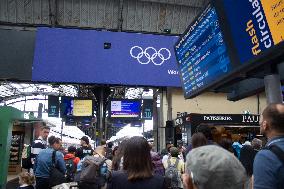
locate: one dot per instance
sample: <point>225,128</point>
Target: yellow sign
<point>274,12</point>
<point>83,108</point>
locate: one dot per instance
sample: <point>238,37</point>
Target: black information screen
<point>201,53</point>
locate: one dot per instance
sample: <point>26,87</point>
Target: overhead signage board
<point>147,109</point>
<point>83,108</point>
<point>202,54</point>
<point>256,25</point>
<point>128,109</point>
<point>226,119</point>
<point>79,56</point>
<point>53,106</point>
<point>212,52</point>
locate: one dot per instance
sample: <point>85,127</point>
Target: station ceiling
<point>154,16</point>
<point>9,91</point>
<point>126,15</point>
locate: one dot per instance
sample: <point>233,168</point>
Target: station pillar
<point>273,89</point>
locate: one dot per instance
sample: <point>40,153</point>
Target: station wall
<point>210,103</point>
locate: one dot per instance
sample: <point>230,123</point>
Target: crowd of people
<point>133,164</point>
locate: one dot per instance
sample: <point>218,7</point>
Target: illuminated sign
<point>83,108</point>
<point>125,108</point>
<point>202,54</point>
<point>256,25</point>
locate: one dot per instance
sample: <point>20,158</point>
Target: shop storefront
<point>237,127</point>
<point>23,133</point>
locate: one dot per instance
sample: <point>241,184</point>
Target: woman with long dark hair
<point>137,168</point>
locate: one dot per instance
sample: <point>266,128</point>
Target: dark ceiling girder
<point>188,3</point>
<point>249,87</point>
<point>245,88</point>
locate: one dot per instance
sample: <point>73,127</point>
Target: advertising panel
<point>256,25</point>
<point>102,57</point>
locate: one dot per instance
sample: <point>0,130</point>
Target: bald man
<point>268,169</point>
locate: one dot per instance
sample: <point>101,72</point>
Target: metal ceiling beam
<point>246,88</point>
<point>188,3</point>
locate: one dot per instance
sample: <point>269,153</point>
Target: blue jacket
<point>43,163</point>
<point>268,170</point>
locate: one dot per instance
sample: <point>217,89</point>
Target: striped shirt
<point>37,146</point>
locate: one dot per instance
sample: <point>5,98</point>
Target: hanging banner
<point>103,57</point>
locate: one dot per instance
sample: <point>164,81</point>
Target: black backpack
<point>94,171</point>
<point>70,169</point>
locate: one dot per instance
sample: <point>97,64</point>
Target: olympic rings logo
<point>150,54</point>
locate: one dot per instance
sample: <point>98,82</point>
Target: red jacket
<point>72,156</point>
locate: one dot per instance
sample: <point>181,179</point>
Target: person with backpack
<point>71,162</point>
<point>268,166</point>
<point>45,161</point>
<point>174,168</point>
<point>85,149</point>
<point>95,170</point>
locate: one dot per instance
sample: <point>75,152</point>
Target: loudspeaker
<point>169,135</point>
<point>169,124</point>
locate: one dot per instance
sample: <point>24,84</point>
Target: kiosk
<point>234,126</point>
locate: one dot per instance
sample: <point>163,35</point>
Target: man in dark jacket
<point>85,148</point>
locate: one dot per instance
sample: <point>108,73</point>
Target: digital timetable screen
<point>125,108</point>
<point>202,54</point>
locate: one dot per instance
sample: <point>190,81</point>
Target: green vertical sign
<point>7,116</point>
<point>147,109</point>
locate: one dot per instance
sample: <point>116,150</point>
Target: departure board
<point>202,54</point>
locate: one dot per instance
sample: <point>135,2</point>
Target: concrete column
<point>169,101</point>
<point>273,89</point>
<point>101,114</point>
<point>155,121</point>
<point>163,115</point>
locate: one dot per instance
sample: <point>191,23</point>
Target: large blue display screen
<point>125,109</point>
<point>201,53</point>
<point>79,56</point>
